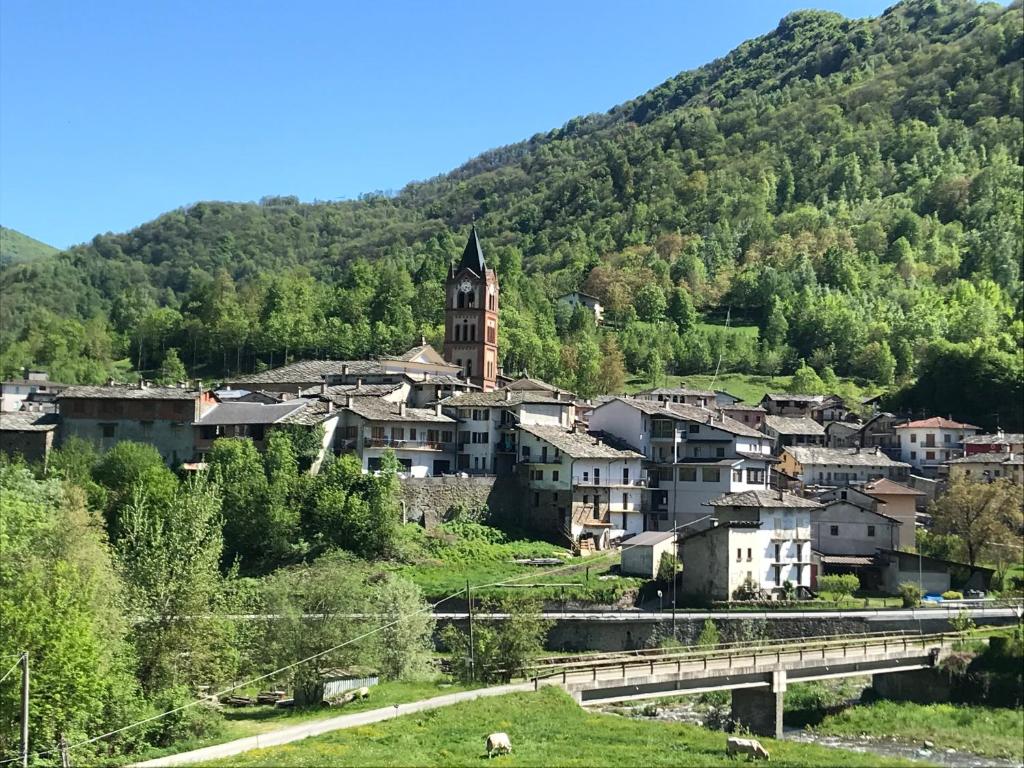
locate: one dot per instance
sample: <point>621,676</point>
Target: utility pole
<point>24,709</point>
<point>472,652</point>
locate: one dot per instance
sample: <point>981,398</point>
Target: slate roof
<point>311,370</point>
<point>250,413</point>
<point>337,392</point>
<point>795,398</point>
<point>526,383</point>
<point>989,458</point>
<point>28,421</point>
<point>686,412</point>
<point>502,397</point>
<point>375,409</point>
<point>578,445</point>
<point>121,392</point>
<point>936,422</point>
<point>887,487</point>
<point>648,538</point>
<point>741,407</point>
<point>678,391</point>
<point>997,439</point>
<point>314,412</point>
<point>794,425</point>
<point>473,256</point>
<point>813,454</point>
<point>763,498</point>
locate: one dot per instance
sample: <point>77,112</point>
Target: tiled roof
<point>27,421</point>
<point>936,422</point>
<point>250,413</point>
<point>812,454</point>
<point>887,487</point>
<point>794,425</point>
<point>375,409</point>
<point>128,393</point>
<point>578,445</point>
<point>763,498</point>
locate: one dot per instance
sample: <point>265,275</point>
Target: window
<point>737,475</point>
<point>412,433</point>
<point>720,453</point>
<point>147,428</point>
<point>913,437</point>
<point>913,455</point>
<point>833,530</point>
<point>710,475</point>
<point>480,414</point>
<point>536,474</point>
<point>739,554</point>
<point>482,438</point>
<point>871,531</point>
<point>694,428</point>
<point>586,476</point>
<point>625,501</point>
<point>446,436</point>
<point>526,452</point>
<point>108,429</point>
<point>586,499</point>
<point>687,474</point>
<point>756,476</point>
<point>398,433</point>
<point>947,438</point>
<point>750,554</point>
<point>554,475</point>
<point>929,455</point>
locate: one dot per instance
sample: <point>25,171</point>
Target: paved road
<point>888,614</point>
<point>326,725</point>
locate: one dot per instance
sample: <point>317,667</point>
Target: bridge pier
<point>760,709</point>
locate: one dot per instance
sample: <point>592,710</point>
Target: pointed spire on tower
<point>473,256</point>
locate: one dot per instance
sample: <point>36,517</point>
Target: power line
<point>189,705</point>
<point>8,672</point>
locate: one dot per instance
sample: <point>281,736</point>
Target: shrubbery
<point>910,593</point>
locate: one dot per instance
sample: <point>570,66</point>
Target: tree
<point>681,311</point>
<point>60,599</point>
<point>806,381</point>
<point>127,468</point>
<point>667,567</point>
<point>876,362</point>
<point>404,647</point>
<point>172,370</point>
<point>235,466</point>
<point>978,514</point>
<point>840,585</point>
<point>612,374</point>
<point>709,637</point>
<point>169,559</point>
<point>650,303</point>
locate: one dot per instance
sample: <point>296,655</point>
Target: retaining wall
<point>427,499</point>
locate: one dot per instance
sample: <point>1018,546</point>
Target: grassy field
<point>981,730</point>
<point>747,386</point>
<point>15,247</point>
<point>443,560</point>
<point>546,729</point>
<point>252,721</point>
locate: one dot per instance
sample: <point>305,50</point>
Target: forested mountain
<point>14,246</point>
<point>852,187</point>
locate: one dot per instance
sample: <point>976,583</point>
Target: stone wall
<point>426,500</point>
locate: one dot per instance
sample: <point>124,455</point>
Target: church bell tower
<point>471,316</point>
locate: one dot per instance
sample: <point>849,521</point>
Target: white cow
<point>750,747</point>
<point>500,743</point>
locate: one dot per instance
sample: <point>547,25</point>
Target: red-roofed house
<point>926,443</point>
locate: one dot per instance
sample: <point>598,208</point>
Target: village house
<point>34,387</point>
<point>846,535</point>
<point>578,485</point>
<point>879,431</point>
<point>839,466</point>
<point>28,434</point>
<point>999,442</point>
<point>926,444</point>
<point>843,434</point>
<point>986,467</point>
<point>422,439</point>
<point>700,397</point>
<point>160,416</point>
<point>579,299</point>
<point>793,430</point>
<point>749,415</point>
<point>692,454</point>
<point>821,408</point>
<point>719,560</point>
<point>642,554</point>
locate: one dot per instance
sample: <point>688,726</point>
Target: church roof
<point>473,256</point>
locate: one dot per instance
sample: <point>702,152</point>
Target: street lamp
<point>661,601</point>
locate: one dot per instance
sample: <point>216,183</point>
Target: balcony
<point>610,482</point>
<point>542,459</point>
<point>405,445</point>
<point>791,534</point>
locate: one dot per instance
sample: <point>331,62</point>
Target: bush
<point>910,593</point>
<point>839,585</point>
<point>667,568</point>
<point>952,595</point>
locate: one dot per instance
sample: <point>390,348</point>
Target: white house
<point>693,454</point>
<point>579,299</point>
<point>926,444</point>
<point>487,423</point>
<point>783,538</point>
<point>423,439</point>
<point>579,485</point>
<point>848,527</point>
<point>702,398</point>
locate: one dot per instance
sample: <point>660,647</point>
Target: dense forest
<point>850,187</point>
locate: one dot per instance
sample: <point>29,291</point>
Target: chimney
<point>780,495</point>
<point>877,450</point>
<point>508,395</point>
<point>359,383</point>
<point>323,387</point>
<point>401,409</point>
<point>199,385</point>
<point>437,408</point>
<point>423,340</point>
<point>330,406</point>
<point>348,401</point>
<point>344,369</point>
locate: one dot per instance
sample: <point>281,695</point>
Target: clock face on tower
<point>465,286</point>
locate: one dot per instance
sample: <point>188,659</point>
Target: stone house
<point>999,442</point>
<point>701,398</point>
<point>27,434</point>
<point>839,466</point>
<point>986,467</point>
<point>719,560</point>
<point>793,430</point>
<point>749,415</point>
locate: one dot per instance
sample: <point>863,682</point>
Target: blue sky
<point>113,112</point>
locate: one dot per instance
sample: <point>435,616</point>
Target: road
<point>327,725</point>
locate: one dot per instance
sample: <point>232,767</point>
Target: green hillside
<point>16,247</point>
<point>849,187</point>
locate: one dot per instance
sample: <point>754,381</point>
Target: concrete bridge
<point>757,676</point>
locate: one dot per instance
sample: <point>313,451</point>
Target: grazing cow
<point>500,743</point>
<point>363,693</point>
<point>750,747</point>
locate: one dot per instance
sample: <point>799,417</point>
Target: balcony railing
<point>611,482</point>
<point>414,445</point>
<point>789,534</point>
